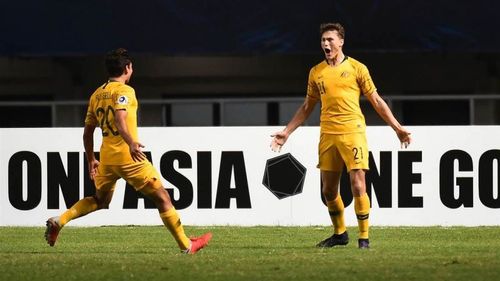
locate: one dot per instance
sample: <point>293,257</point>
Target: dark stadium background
<point>204,63</point>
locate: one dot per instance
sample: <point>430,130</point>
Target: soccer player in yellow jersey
<point>337,82</point>
<point>113,108</point>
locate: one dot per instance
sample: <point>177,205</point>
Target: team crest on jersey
<point>344,74</point>
<point>122,100</point>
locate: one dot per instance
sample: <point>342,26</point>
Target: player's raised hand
<point>279,139</point>
<point>136,152</point>
<point>404,137</point>
<point>93,168</point>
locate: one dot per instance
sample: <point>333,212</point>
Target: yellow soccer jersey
<point>339,89</point>
<point>101,112</point>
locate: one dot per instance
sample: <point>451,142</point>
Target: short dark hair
<point>116,61</point>
<point>324,27</point>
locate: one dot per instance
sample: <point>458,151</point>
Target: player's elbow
<point>307,108</point>
<point>379,105</point>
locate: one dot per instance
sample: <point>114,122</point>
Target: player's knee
<point>102,203</point>
<point>329,193</point>
<point>163,203</point>
<point>358,187</point>
<point>159,196</point>
<point>163,198</point>
<point>357,181</point>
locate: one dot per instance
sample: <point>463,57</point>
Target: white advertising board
<point>448,176</point>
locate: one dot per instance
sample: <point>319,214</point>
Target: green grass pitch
<point>250,253</point>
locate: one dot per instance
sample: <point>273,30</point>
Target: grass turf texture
<point>250,253</point>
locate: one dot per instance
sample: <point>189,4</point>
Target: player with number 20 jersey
<point>113,108</point>
<point>103,104</point>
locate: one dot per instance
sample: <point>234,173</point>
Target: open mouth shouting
<point>327,50</point>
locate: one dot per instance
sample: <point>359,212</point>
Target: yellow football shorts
<point>141,175</point>
<point>336,150</point>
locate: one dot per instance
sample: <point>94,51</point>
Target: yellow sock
<point>81,208</point>
<point>362,209</point>
<point>172,221</point>
<point>336,210</point>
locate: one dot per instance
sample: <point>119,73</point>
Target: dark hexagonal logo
<point>284,176</point>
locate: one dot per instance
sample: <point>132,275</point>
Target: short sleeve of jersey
<point>90,118</point>
<point>365,81</point>
<point>312,88</point>
<point>123,98</point>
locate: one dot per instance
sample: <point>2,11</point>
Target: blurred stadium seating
<point>207,63</point>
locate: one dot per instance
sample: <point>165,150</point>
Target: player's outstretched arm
<point>279,138</point>
<point>385,113</point>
